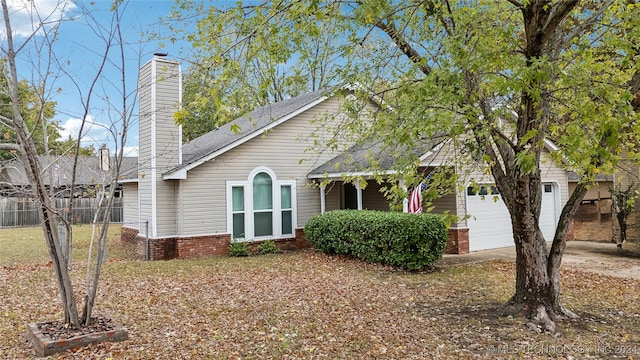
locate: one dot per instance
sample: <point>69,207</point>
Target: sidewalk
<point>598,257</point>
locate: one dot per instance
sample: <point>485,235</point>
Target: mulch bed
<point>56,330</point>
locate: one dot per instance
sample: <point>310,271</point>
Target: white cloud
<point>27,15</point>
<point>92,132</point>
<point>130,151</point>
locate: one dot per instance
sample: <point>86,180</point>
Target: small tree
<point>623,205</point>
<point>42,38</point>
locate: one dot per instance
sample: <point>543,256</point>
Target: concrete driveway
<point>597,257</point>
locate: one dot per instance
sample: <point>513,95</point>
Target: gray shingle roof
<point>59,169</point>
<point>361,157</point>
<point>246,125</point>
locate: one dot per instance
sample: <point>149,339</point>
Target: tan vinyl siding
<point>281,149</point>
<point>144,156</point>
<point>444,155</point>
<point>167,103</point>
<point>373,199</point>
<point>167,144</point>
<point>332,196</point>
<point>158,122</point>
<point>551,172</point>
<point>446,203</point>
<point>130,205</point>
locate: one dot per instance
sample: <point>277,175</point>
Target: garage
<point>490,224</point>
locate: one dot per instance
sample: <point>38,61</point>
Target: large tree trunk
<point>534,285</point>
<point>537,293</point>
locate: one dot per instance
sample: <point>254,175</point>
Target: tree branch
<point>10,147</point>
<point>582,27</point>
<point>407,49</point>
<point>7,121</point>
<point>517,4</point>
<point>560,10</point>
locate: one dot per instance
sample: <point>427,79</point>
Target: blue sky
<point>79,51</point>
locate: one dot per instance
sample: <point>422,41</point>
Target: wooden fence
<point>17,212</point>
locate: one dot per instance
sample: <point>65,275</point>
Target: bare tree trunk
<point>30,162</point>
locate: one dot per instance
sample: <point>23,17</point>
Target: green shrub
<point>402,240</point>
<point>267,247</point>
<point>239,249</point>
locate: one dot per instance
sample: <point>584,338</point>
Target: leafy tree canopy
<point>38,117</point>
<point>498,77</point>
<point>250,56</point>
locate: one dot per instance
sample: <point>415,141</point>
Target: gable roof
<point>87,172</point>
<point>243,129</point>
<point>360,158</point>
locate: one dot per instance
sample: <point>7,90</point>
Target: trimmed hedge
<point>407,241</point>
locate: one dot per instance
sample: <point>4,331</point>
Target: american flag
<point>415,200</point>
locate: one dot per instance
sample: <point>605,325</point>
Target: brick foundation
<point>458,241</point>
<point>203,246</point>
<point>198,246</point>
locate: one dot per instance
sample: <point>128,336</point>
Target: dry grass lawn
<point>310,306</point>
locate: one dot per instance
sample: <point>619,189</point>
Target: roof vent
<point>159,54</point>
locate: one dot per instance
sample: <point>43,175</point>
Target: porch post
<point>359,193</point>
<point>405,201</point>
<point>322,200</point>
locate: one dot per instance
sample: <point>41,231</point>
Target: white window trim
<point>230,186</point>
<point>248,205</point>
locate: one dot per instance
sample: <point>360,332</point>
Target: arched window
<point>261,207</point>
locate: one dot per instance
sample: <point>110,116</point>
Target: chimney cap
<point>160,54</point>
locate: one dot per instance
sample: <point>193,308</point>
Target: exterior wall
<point>550,172</point>
<point>130,209</point>
<point>445,203</point>
<point>144,154</point>
<point>458,242</point>
<point>160,144</point>
<point>203,246</point>
<point>333,194</point>
<point>203,203</point>
<point>373,199</point>
<point>196,247</point>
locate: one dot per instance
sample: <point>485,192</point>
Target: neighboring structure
<point>56,175</point>
<point>594,219</point>
<point>17,208</point>
<point>246,180</point>
<point>627,176</point>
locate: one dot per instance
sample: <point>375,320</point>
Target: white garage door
<point>490,224</point>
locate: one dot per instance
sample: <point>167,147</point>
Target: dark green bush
<point>239,249</point>
<point>267,247</point>
<point>402,240</point>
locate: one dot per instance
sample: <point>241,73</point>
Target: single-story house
<point>56,173</point>
<point>245,181</point>
<point>18,208</point>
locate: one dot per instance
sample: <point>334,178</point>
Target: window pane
<point>262,193</point>
<point>285,197</point>
<point>263,223</point>
<point>287,223</point>
<point>237,198</point>
<point>238,226</point>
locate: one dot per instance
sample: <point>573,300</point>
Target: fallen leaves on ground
<point>307,305</point>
